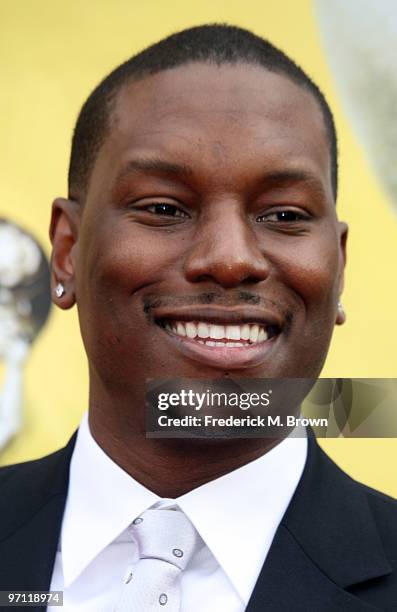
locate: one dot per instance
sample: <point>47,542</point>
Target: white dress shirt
<point>237,516</point>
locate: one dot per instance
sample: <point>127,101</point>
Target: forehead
<point>238,116</point>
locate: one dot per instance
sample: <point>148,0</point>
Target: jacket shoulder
<point>27,486</point>
<point>383,507</point>
<point>27,469</point>
<point>379,499</point>
<point>384,510</point>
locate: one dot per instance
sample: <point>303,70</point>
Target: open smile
<point>224,344</point>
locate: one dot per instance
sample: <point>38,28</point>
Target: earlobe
<point>341,314</point>
<point>343,233</point>
<point>64,229</point>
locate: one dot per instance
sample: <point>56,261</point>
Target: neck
<point>169,467</point>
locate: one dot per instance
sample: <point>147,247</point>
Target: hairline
<point>113,95</point>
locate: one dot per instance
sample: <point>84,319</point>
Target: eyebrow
<point>155,165</point>
<point>289,178</point>
<point>272,178</point>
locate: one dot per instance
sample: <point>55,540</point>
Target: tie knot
<point>167,535</point>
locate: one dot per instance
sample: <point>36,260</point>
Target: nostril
<point>253,280</point>
<point>228,275</point>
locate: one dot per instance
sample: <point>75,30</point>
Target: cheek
<point>313,270</point>
<point>308,272</point>
<point>113,274</point>
<point>308,277</point>
<point>316,277</point>
<point>126,257</point>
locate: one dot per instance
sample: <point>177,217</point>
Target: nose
<point>226,250</point>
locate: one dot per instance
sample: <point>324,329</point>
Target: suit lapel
<point>291,581</point>
<point>29,528</point>
<point>326,542</point>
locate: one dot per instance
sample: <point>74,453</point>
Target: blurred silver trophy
<point>360,38</point>
<point>25,302</point>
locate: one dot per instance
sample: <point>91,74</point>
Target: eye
<point>284,216</point>
<point>166,210</point>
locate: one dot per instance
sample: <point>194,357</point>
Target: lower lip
<point>223,357</point>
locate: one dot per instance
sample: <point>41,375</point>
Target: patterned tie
<point>166,541</point>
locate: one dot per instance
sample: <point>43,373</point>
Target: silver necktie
<point>166,541</point>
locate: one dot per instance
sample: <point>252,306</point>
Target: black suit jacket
<point>335,549</point>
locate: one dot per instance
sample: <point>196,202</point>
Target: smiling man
<point>200,239</point>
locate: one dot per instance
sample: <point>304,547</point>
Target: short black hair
<point>214,43</point>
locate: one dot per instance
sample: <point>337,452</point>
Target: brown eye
<point>167,210</point>
<point>284,216</point>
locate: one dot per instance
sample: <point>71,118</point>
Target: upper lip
<point>220,316</point>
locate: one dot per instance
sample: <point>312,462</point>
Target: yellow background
<point>52,54</point>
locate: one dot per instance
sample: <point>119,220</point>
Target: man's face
<point>209,241</point>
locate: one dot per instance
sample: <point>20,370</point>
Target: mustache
<point>237,298</point>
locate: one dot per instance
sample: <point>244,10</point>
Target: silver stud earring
<point>59,290</point>
<point>340,307</point>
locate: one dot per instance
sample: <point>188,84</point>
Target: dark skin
<point>241,157</point>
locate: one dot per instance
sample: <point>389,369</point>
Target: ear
<point>343,233</point>
<point>64,231</point>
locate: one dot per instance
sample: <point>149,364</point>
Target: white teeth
<point>245,332</point>
<point>217,331</point>
<point>203,330</point>
<point>180,329</point>
<point>212,334</point>
<point>232,332</point>
<point>191,330</point>
<point>254,331</point>
<point>262,336</point>
<point>223,344</point>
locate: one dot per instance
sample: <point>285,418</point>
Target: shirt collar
<point>237,514</point>
<point>102,501</point>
